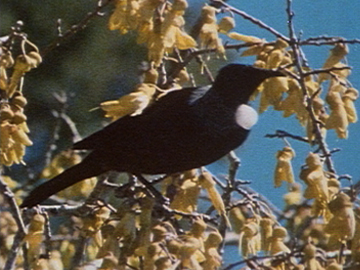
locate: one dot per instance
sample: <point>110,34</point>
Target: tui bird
<point>184,129</point>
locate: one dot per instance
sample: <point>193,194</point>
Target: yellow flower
<point>209,35</point>
<point>338,118</point>
<point>34,237</point>
<point>187,193</point>
<point>13,141</point>
<point>314,177</point>
<point>131,104</point>
<point>293,103</point>
<point>277,244</point>
<point>311,262</point>
<point>272,92</point>
<point>245,38</point>
<point>266,227</point>
<point>226,24</point>
<point>283,169</point>
<point>321,117</point>
<point>23,63</point>
<point>336,55</point>
<point>174,36</point>
<point>254,50</point>
<point>341,226</point>
<point>125,16</point>
<point>208,183</point>
<point>294,196</point>
<point>249,240</point>
<point>212,257</point>
<point>237,219</point>
<point>348,98</point>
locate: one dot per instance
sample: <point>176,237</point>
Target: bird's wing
<point>128,127</point>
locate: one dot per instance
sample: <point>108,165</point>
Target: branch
<point>324,70</point>
<point>15,212</point>
<point>250,194</point>
<point>296,51</point>
<point>72,126</point>
<point>47,233</point>
<point>60,116</point>
<point>323,40</point>
<point>205,68</point>
<point>59,209</point>
<point>193,215</point>
<point>233,167</point>
<point>14,251</point>
<point>252,19</point>
<point>151,190</point>
<point>75,28</point>
<point>254,262</point>
<point>283,134</point>
<point>79,253</point>
<point>14,209</point>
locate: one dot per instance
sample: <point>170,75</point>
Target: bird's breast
<point>245,116</point>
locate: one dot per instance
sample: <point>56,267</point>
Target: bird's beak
<point>272,73</point>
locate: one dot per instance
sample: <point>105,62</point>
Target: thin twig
<point>249,193</point>
<point>59,209</point>
<point>194,215</point>
<point>14,251</point>
<point>47,233</point>
<point>79,253</point>
<point>252,19</point>
<point>205,68</point>
<point>329,41</point>
<point>14,209</point>
<point>15,212</point>
<point>255,260</point>
<point>233,167</point>
<point>295,48</point>
<point>283,134</point>
<point>60,116</point>
<point>152,191</point>
<point>75,28</point>
<point>324,70</point>
<point>72,126</point>
<point>196,52</point>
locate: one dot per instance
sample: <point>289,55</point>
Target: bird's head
<point>237,82</point>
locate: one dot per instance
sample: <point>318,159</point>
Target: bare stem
<point>297,60</point>
<point>285,134</point>
<point>252,19</point>
<point>75,28</point>
<point>15,211</point>
<point>324,70</point>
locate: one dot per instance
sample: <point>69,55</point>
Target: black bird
<point>183,130</point>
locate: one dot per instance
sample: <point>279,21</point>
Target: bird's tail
<point>86,169</point>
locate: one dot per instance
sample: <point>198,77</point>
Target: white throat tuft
<point>245,116</point>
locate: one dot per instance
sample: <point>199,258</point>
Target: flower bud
<point>226,24</point>
<point>19,117</point>
<point>19,99</point>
